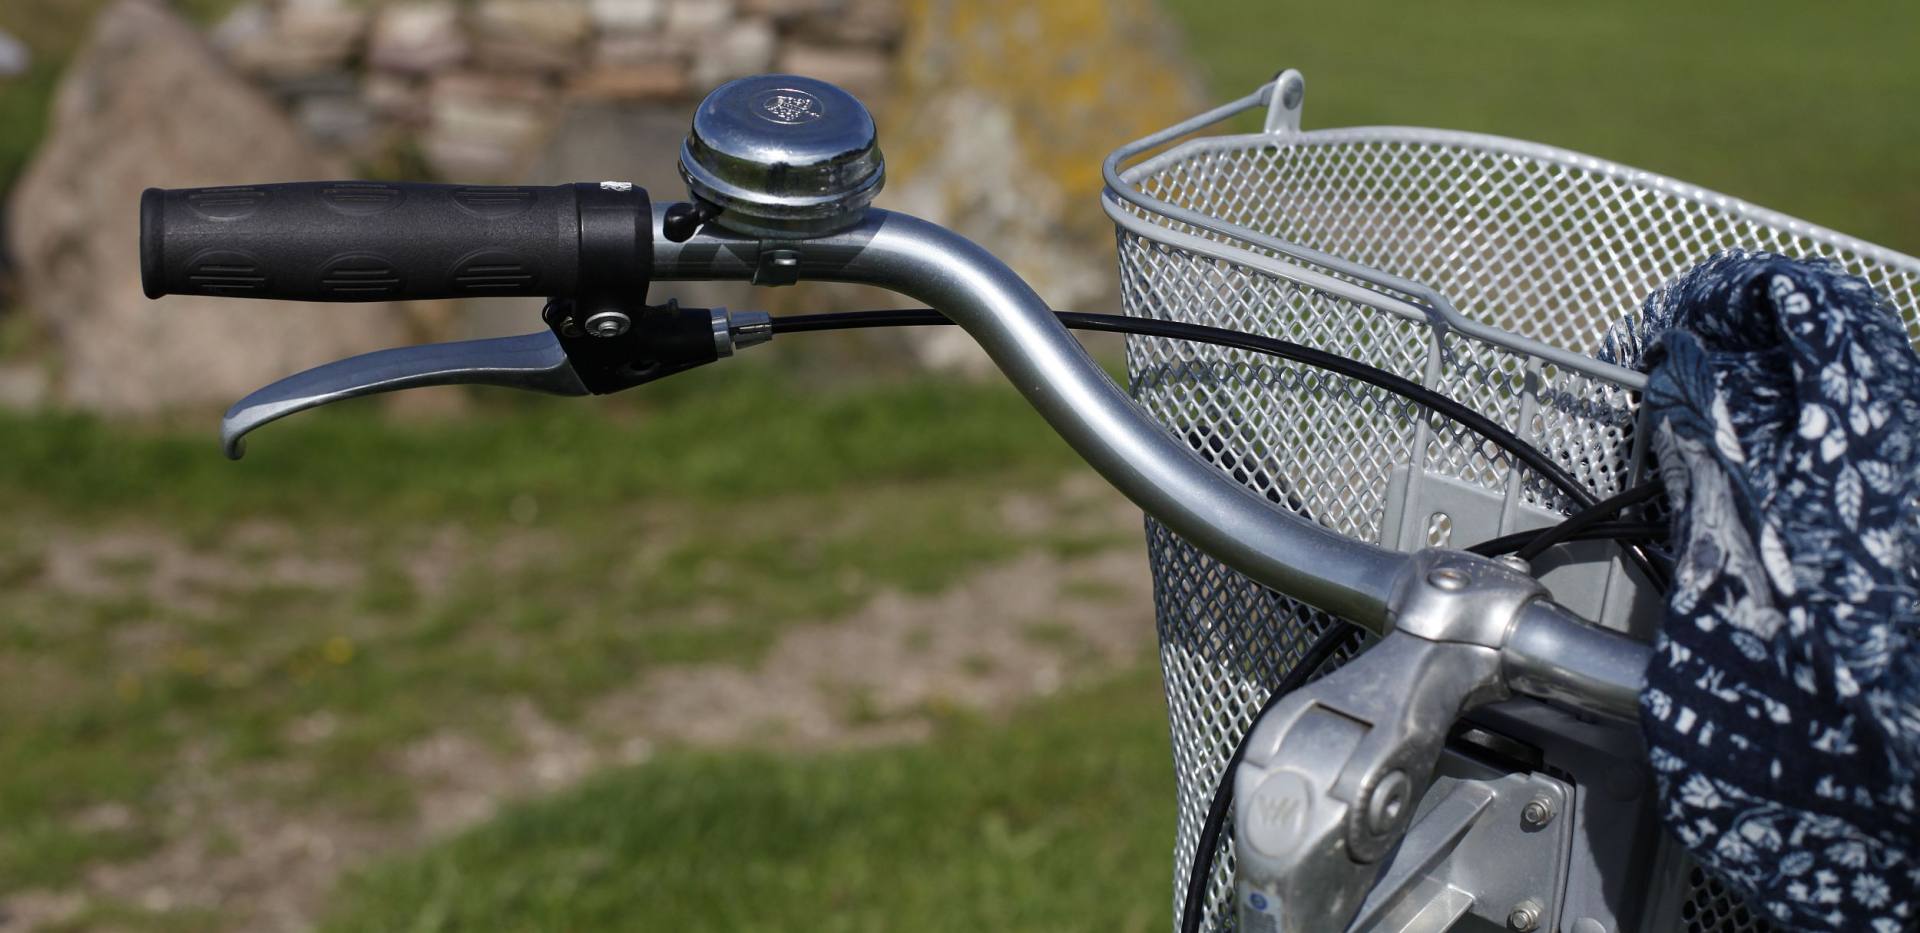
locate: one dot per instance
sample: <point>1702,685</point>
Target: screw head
<point>608,323</point>
<point>1449,579</point>
<point>1524,917</point>
<point>1389,798</point>
<point>1514,562</point>
<point>1538,812</point>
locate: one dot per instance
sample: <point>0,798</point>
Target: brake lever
<point>581,353</point>
<point>535,362</point>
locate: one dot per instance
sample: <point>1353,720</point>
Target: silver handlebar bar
<point>1546,650</point>
<point>948,272</point>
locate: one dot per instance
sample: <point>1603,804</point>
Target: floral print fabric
<point>1782,706</point>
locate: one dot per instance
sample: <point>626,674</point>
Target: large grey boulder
<point>146,103</point>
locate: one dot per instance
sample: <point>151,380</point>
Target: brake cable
<point>1586,524</point>
<point>1651,565</point>
<point>1207,844</point>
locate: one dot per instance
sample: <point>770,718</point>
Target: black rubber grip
<point>386,241</point>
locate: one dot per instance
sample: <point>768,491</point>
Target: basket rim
<point>1532,151</point>
<point>1146,216</point>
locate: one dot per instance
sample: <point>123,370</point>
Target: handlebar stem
<point>1332,773</point>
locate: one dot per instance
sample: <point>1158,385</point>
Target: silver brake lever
<point>535,362</point>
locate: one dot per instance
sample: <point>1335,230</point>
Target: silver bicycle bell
<point>782,156</point>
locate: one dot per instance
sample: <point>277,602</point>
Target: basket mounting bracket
<point>1283,107</point>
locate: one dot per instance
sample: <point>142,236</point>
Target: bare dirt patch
<point>162,568</point>
<point>1009,633</point>
<point>1004,634</point>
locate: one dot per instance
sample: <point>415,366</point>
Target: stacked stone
<point>473,88</point>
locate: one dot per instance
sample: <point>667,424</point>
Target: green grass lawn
<point>746,429</point>
<point>1801,107</point>
<point>1058,820</point>
<point>406,577</point>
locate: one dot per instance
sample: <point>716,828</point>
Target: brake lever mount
<point>612,348</point>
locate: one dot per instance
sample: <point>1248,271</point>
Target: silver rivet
<point>1538,812</point>
<point>1389,798</point>
<point>608,323</point>
<point>1449,579</point>
<point>1291,93</point>
<point>1524,917</point>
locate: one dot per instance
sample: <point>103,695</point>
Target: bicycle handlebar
<point>383,241</point>
<point>585,240</point>
<point>777,206</point>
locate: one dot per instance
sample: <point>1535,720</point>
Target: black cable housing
<point>1529,455</point>
<point>1588,517</point>
<point>1200,333</point>
<point>1507,544</point>
<point>1207,845</point>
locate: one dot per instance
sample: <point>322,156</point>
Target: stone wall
<point>144,104</point>
<point>994,115</point>
<point>473,89</point>
<point>1006,110</point>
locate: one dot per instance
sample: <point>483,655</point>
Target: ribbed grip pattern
<point>383,241</point>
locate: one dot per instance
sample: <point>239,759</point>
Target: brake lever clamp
<point>614,348</point>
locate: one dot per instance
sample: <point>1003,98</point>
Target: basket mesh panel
<point>1710,908</point>
<point>1542,248</point>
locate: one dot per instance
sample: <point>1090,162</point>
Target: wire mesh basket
<point>1486,268</point>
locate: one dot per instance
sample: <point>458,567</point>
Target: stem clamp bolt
<point>1516,562</point>
<point>1538,812</point>
<point>1524,917</point>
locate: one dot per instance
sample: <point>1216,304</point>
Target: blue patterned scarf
<point>1782,707</point>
